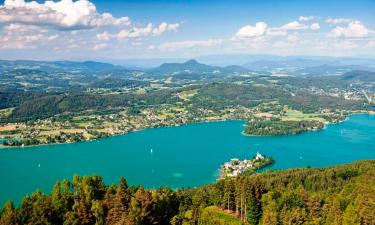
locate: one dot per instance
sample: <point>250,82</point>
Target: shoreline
<point>324,127</point>
<point>118,134</point>
<point>183,124</point>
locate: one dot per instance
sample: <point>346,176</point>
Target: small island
<point>236,167</point>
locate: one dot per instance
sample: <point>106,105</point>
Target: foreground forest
<point>343,194</point>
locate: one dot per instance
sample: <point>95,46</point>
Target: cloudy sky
<point>123,29</point>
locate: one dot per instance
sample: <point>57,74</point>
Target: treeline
<point>50,105</point>
<point>51,139</point>
<point>310,103</point>
<point>224,95</point>
<point>113,83</point>
<point>213,96</point>
<point>15,98</point>
<point>342,194</point>
<point>275,127</point>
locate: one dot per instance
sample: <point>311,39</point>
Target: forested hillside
<point>343,194</point>
<point>214,96</point>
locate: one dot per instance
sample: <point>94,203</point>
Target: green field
<point>295,115</point>
<point>5,112</point>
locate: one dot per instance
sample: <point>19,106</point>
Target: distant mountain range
<point>246,60</point>
<point>289,66</point>
<point>329,70</point>
<point>192,66</point>
<point>57,66</point>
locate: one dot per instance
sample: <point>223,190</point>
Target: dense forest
<point>214,96</point>
<point>343,194</point>
<point>279,127</point>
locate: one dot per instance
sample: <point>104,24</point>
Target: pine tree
<point>229,194</point>
<point>140,207</point>
<point>269,208</point>
<point>62,200</point>
<point>8,215</point>
<point>83,212</point>
<point>253,209</point>
<point>98,212</point>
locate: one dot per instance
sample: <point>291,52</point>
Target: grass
<point>295,115</point>
<point>166,115</point>
<point>178,109</point>
<point>5,112</point>
<point>168,80</point>
<point>187,95</point>
<point>259,85</point>
<point>216,215</point>
<point>12,127</point>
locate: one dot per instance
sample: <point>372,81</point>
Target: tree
<point>84,213</point>
<point>253,209</point>
<point>334,214</point>
<point>229,194</point>
<point>165,205</point>
<point>62,200</point>
<point>8,215</point>
<point>140,207</point>
<point>116,205</point>
<point>269,208</point>
<point>98,212</point>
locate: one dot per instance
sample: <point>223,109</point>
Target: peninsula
<point>236,167</point>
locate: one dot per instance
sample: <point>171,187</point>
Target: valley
<point>172,95</point>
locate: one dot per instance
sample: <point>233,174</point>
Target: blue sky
<point>83,29</point>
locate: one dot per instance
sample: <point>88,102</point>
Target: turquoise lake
<point>184,156</point>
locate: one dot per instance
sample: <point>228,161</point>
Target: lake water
<point>185,156</point>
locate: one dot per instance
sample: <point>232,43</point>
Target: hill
<point>359,75</point>
<point>56,66</point>
<point>194,67</point>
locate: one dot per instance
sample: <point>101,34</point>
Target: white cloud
<point>137,43</point>
<point>52,24</point>
<point>149,30</point>
<point>105,36</point>
<point>345,45</point>
<point>173,46</point>
<point>249,31</point>
<point>315,26</point>
<point>53,37</point>
<point>13,40</point>
<point>138,32</point>
<point>165,27</point>
<point>295,25</point>
<point>293,38</point>
<point>23,28</point>
<point>100,46</point>
<point>276,32</point>
<point>261,33</point>
<point>334,21</point>
<point>371,44</point>
<point>284,29</point>
<point>22,36</point>
<point>354,29</point>
<point>306,18</point>
<point>63,14</point>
